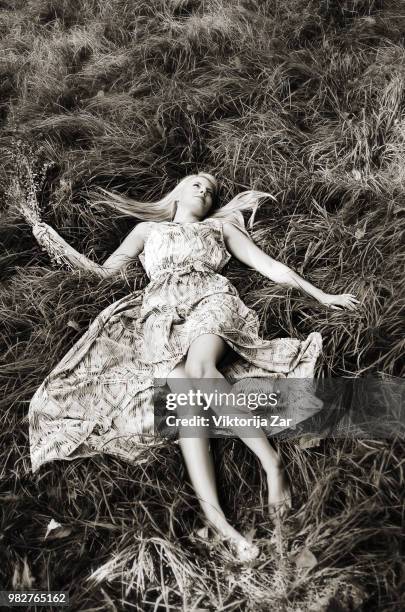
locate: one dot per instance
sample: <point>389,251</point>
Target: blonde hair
<point>165,208</point>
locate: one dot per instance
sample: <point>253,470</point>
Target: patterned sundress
<point>99,398</point>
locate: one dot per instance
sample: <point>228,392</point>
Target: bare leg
<point>203,356</point>
<point>200,466</point>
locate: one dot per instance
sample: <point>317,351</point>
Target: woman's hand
<point>60,252</point>
<point>40,230</point>
<point>339,302</point>
<point>46,236</point>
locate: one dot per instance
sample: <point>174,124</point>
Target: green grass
<point>302,99</point>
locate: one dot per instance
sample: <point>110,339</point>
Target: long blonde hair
<point>165,208</point>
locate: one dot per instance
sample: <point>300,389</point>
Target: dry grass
<point>303,99</point>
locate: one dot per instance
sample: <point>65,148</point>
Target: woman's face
<point>197,196</point>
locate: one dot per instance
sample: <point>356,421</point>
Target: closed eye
<point>199,185</point>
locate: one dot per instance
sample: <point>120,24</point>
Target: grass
<point>303,99</point>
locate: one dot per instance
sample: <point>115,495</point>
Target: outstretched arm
<point>60,250</point>
<point>244,249</point>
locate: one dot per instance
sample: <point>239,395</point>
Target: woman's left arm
<point>246,251</point>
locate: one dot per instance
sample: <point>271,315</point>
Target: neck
<point>186,219</point>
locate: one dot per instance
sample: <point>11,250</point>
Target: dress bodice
<point>173,247</point>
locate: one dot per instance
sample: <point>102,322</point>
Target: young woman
<point>100,396</point>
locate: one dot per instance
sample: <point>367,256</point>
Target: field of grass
<point>301,98</point>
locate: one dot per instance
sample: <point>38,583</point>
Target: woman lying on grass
<point>99,399</point>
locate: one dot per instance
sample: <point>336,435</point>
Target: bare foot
<point>279,492</point>
<point>244,550</point>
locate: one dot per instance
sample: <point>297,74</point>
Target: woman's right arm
<point>60,250</point>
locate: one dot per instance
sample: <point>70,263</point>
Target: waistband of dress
<point>197,265</point>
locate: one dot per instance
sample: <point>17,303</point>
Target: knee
<point>200,369</point>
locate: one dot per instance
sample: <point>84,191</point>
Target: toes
<point>246,551</point>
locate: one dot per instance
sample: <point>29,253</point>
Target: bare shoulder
<point>228,228</point>
<point>232,231</point>
<point>141,230</point>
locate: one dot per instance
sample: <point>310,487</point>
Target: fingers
<point>351,297</point>
<point>343,301</point>
<point>345,304</point>
<point>348,304</point>
<point>349,301</point>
